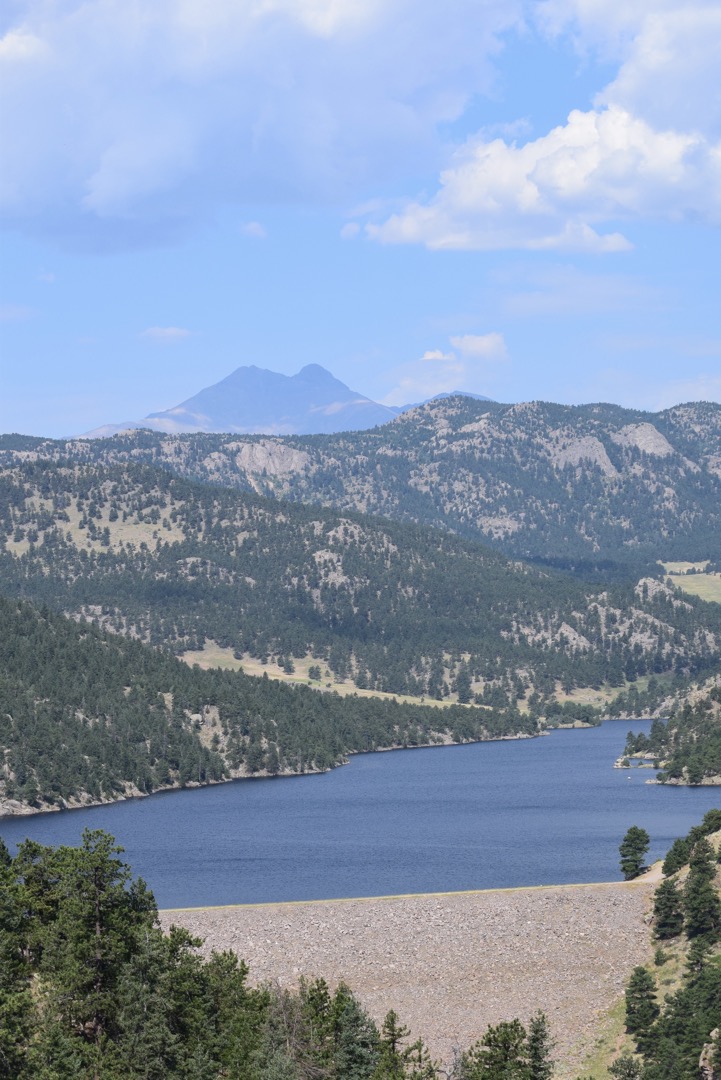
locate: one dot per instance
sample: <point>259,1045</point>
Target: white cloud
<point>166,335</point>
<point>649,149</point>
<point>254,230</point>
<point>488,346</point>
<point>555,191</point>
<point>350,230</point>
<point>440,372</point>
<point>129,115</point>
<point>433,355</point>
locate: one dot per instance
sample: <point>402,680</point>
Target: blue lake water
<point>486,815</point>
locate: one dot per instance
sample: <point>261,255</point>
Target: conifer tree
<point>540,1047</point>
<point>633,847</point>
<point>668,910</point>
<point>502,1054</point>
<point>641,1007</point>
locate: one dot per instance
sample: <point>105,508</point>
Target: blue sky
<point>517,199</point>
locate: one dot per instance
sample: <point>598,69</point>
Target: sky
<point>519,199</point>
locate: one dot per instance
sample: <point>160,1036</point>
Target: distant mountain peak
<point>255,401</point>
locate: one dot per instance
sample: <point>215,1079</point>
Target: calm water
<point>530,812</point>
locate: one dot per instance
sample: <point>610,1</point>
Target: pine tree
<point>502,1054</point>
<point>632,849</point>
<point>641,1007</point>
<point>626,1068</point>
<point>17,1009</point>
<point>391,1064</point>
<point>540,1047</point>
<point>668,910</point>
<point>677,857</point>
<point>702,907</point>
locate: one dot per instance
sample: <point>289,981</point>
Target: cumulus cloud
<point>165,335</point>
<point>650,148</point>
<point>439,371</point>
<point>128,116</point>
<point>553,192</point>
<point>432,355</point>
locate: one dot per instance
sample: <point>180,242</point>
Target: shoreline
<point>651,876</point>
<point>20,810</point>
<point>25,810</point>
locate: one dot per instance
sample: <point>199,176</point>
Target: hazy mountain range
<point>255,401</point>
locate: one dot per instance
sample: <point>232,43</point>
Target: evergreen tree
<point>702,907</point>
<point>540,1048</point>
<point>626,1068</point>
<point>391,1061</point>
<point>633,847</point>
<point>641,1007</point>
<point>502,1054</point>
<point>17,1010</point>
<point>667,910</point>
<point>356,1038</point>
<point>677,857</point>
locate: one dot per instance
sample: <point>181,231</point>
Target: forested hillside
<point>673,1006</point>
<point>597,489</point>
<point>87,715</point>
<point>399,608</point>
<point>687,749</point>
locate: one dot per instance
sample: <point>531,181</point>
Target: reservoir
<point>540,811</point>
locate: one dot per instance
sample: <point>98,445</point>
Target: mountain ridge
<point>573,485</point>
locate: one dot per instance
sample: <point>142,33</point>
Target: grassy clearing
<point>705,586</point>
<point>213,656</point>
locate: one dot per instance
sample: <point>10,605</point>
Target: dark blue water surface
<point>487,815</point>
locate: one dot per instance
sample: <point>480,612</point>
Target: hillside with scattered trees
<point>90,716</point>
<point>395,607</point>
<point>599,490</point>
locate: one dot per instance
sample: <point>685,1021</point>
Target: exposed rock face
<point>644,437</point>
<point>272,457</point>
<point>584,450</point>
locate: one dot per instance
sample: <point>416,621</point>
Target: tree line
<point>92,989</point>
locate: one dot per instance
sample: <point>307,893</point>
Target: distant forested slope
<point>399,608</point>
<point>687,747</point>
<point>596,489</point>
<point>90,715</point>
